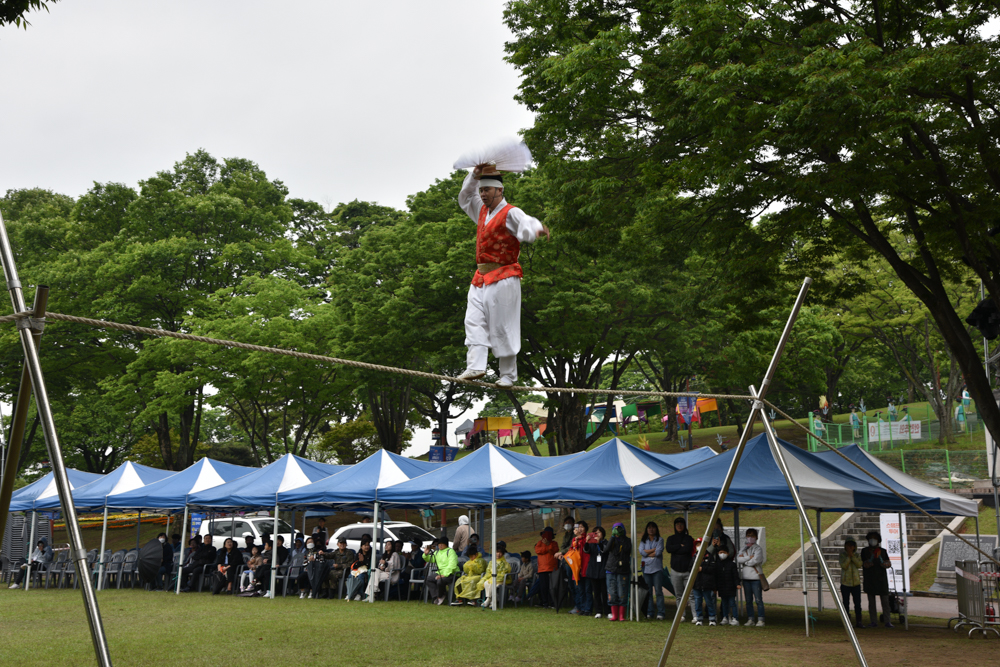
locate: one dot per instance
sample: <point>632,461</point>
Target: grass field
<point>47,628</point>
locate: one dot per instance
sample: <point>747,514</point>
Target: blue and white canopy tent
<point>93,496</point>
<point>25,498</point>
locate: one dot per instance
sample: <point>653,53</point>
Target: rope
<point>896,493</point>
<point>104,324</point>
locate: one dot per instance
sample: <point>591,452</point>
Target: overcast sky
<point>339,100</point>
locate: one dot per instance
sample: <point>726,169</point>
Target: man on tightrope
<point>493,313</point>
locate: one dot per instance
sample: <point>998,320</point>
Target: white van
<point>241,526</point>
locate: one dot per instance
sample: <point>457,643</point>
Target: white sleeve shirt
<point>524,227</point>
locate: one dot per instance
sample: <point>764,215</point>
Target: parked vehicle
<point>241,526</point>
<point>396,530</point>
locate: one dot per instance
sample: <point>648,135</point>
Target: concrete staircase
<point>919,531</point>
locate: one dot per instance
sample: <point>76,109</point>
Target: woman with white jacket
<point>751,558</point>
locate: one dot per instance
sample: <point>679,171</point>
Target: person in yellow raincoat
<point>503,571</point>
<point>467,586</point>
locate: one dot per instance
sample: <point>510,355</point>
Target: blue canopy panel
<point>467,482</point>
<point>759,484</point>
<point>172,493</point>
<point>359,485</point>
<point>939,501</point>
<point>261,487</point>
<point>93,496</point>
<point>24,499</point>
<point>604,476</point>
<point>689,458</point>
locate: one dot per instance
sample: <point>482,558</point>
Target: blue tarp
<point>261,487</point>
<point>24,499</point>
<point>469,481</point>
<point>603,476</point>
<point>173,492</point>
<point>360,484</point>
<point>758,483</point>
<point>126,477</point>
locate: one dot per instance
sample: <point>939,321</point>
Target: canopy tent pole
<point>756,407</point>
<point>100,555</point>
<point>482,522</point>
<point>493,542</point>
<point>805,579</point>
<point>274,552</point>
<point>633,587</point>
<point>779,458</point>
<point>31,547</point>
<point>180,562</point>
<point>375,543</point>
<point>304,526</point>
<point>138,525</point>
<point>906,556</point>
<point>819,554</point>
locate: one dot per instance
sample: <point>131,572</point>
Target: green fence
<point>938,466</point>
<point>878,435</point>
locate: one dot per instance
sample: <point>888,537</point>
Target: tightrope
<point>105,324</point>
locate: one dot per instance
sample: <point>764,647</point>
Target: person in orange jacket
<point>546,549</point>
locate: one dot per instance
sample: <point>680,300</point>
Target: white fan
<point>503,155</point>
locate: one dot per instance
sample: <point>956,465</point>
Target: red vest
<point>496,245</point>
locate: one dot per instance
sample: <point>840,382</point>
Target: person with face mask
<point>850,579</point>
<point>751,558</point>
<point>875,563</point>
<point>727,582</point>
<point>618,555</point>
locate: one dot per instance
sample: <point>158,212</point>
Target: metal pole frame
<point>19,418</point>
<point>100,556</point>
<point>819,554</point>
<point>493,561</point>
<point>180,562</point>
<point>779,458</point>
<point>77,551</point>
<point>377,535</point>
<point>274,554</point>
<point>31,547</point>
<point>756,407</point>
<point>805,578</point>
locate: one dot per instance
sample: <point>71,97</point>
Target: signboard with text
<point>895,431</point>
<point>893,529</point>
<point>442,454</point>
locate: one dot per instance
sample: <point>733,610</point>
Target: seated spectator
<point>40,559</point>
<point>467,586</point>
<point>751,558</point>
<point>203,556</point>
<point>487,583</point>
<point>727,581</point>
<point>246,579</point>
<point>314,571</point>
<point>227,562</point>
<point>595,573</point>
<point>546,550</point>
<point>389,568</point>
<point>189,552</point>
<point>850,580</point>
<point>704,589</point>
<point>248,549</point>
<point>175,543</point>
<point>340,560</point>
<point>445,561</point>
<point>524,576</point>
<point>319,533</point>
<point>874,563</point>
<point>358,577</point>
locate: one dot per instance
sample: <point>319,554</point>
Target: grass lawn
<point>48,628</point>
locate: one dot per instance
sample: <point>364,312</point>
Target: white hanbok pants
<point>493,321</point>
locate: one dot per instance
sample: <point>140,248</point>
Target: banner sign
<point>902,430</point>
<point>686,406</point>
<point>893,529</point>
<point>442,454</point>
<point>196,520</point>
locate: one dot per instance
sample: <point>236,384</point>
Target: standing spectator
<point>548,517</point>
<point>319,534</point>
<point>704,589</point>
<point>524,576</point>
<point>850,579</point>
<point>227,562</point>
<point>446,561</point>
<point>651,553</point>
<point>546,550</point>
<point>428,518</point>
<point>584,596</point>
<point>875,561</point>
<point>727,581</point>
<point>680,546</point>
<point>565,563</point>
<point>751,558</point>
<point>166,563</point>
<point>461,540</point>
<point>855,424</point>
<point>358,577</point>
<point>618,555</point>
<point>40,559</point>
<point>720,538</point>
<point>596,574</point>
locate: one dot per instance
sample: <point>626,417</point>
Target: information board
<point>953,549</point>
<point>893,529</point>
